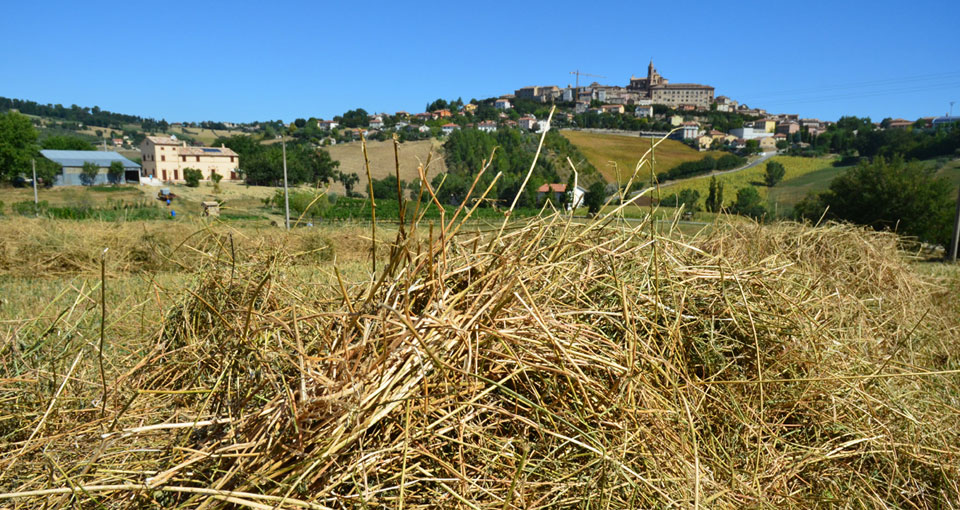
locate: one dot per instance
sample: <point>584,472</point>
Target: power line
<point>867,84</point>
<point>857,95</point>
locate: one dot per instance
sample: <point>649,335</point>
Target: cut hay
<point>553,365</point>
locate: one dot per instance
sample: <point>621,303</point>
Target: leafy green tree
<point>774,174</point>
<point>888,195</point>
<point>386,188</point>
<point>439,104</point>
<point>88,173</point>
<point>192,176</point>
<point>66,143</point>
<point>355,118</point>
<point>594,197</point>
<point>689,198</point>
<point>115,172</point>
<point>748,203</point>
<point>714,200</point>
<point>348,181</point>
<point>17,144</point>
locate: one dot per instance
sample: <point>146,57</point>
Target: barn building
<point>71,162</point>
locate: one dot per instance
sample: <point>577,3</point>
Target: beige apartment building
<point>165,158</point>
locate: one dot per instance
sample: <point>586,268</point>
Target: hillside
<point>382,161</point>
<point>602,149</point>
<point>803,175</point>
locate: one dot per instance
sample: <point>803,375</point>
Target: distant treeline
<point>86,115</point>
<point>856,137</point>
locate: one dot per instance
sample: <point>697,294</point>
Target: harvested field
<point>553,365</point>
<point>601,150</point>
<point>382,161</point>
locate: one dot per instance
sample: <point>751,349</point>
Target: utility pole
<point>286,192</point>
<point>952,249</point>
<point>36,200</point>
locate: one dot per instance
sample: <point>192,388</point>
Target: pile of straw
<point>550,365</point>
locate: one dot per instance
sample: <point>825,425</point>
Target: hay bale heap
<point>555,365</point>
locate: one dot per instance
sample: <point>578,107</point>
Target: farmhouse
<point>555,192</point>
<point>72,161</point>
<point>165,158</point>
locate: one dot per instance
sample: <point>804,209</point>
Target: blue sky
<point>244,61</point>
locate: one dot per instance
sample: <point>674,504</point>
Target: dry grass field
<point>601,150</point>
<point>552,365</point>
<point>382,161</point>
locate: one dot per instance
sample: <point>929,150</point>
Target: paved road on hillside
<point>761,159</point>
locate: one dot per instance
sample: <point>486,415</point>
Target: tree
<point>594,197</point>
<point>66,143</point>
<point>686,197</point>
<point>888,195</point>
<point>115,172</point>
<point>88,173</point>
<point>748,203</point>
<point>17,144</point>
<point>192,176</point>
<point>714,200</point>
<point>775,173</point>
<point>348,181</point>
<point>355,118</point>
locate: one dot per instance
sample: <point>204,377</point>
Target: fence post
<point>952,249</point>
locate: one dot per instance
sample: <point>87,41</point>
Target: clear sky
<point>242,61</point>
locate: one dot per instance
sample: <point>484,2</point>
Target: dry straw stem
<point>557,364</point>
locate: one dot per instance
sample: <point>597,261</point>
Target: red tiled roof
<point>554,187</point>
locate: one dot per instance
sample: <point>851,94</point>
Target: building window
<point>176,175</point>
<point>184,158</point>
<point>163,158</point>
<point>198,159</point>
<point>231,159</point>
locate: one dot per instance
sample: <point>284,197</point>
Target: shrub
<point>888,195</point>
<point>689,198</point>
<point>115,172</point>
<point>88,173</point>
<point>216,178</point>
<point>28,208</point>
<point>192,176</point>
<point>748,203</point>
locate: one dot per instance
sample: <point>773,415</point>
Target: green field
<point>604,150</point>
<point>803,174</point>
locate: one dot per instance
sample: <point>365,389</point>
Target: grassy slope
<point>951,171</point>
<point>803,174</point>
<point>382,163</point>
<point>601,149</point>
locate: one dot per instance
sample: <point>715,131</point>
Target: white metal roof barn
<point>72,161</point>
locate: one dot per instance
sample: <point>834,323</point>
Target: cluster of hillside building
<point>165,158</point>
